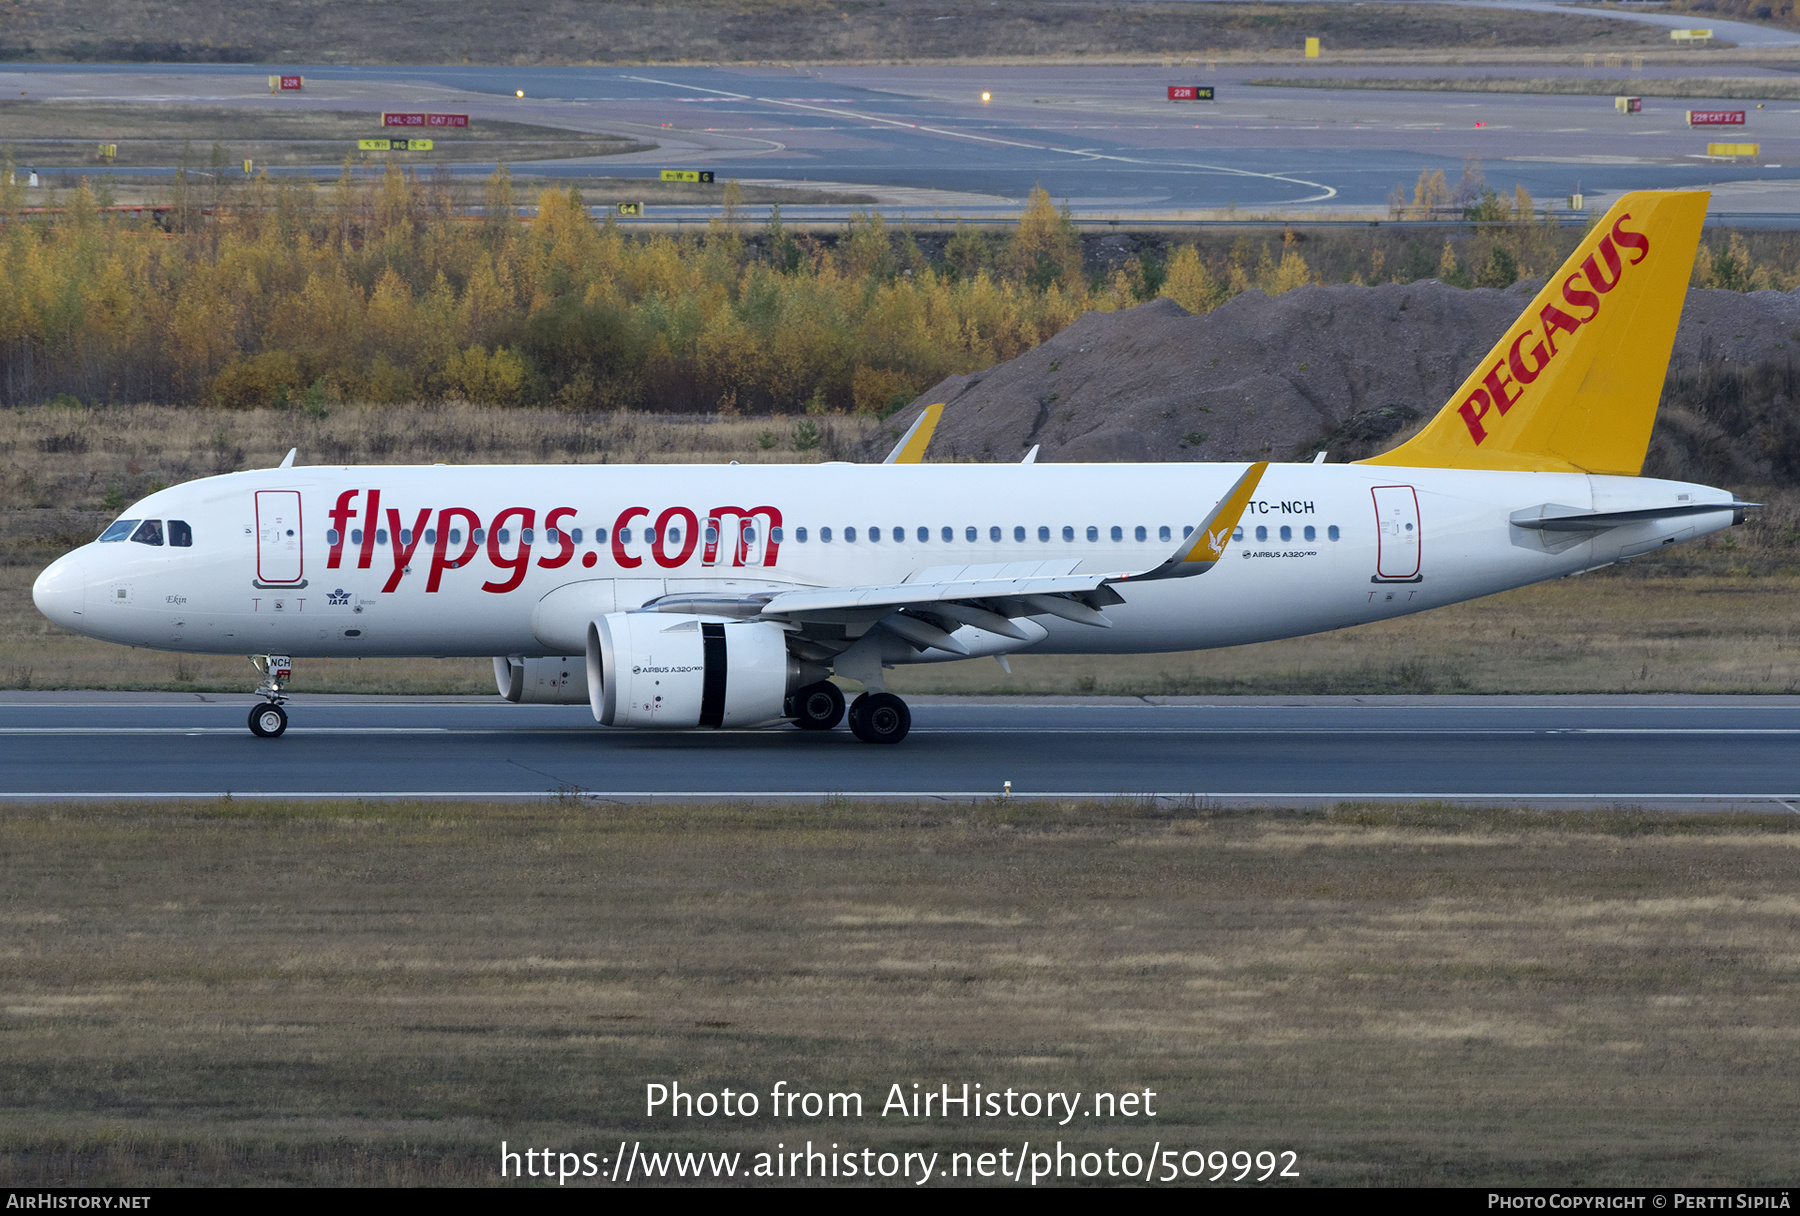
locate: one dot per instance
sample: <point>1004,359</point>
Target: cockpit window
<point>149,532</point>
<point>120,530</point>
<point>180,535</point>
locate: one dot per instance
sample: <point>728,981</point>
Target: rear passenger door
<point>1397,540</point>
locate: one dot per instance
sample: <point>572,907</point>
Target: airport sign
<point>687,175</point>
<point>630,208</point>
<point>1715,118</point>
<point>1190,92</point>
<point>393,145</point>
<point>1734,150</point>
<point>389,119</point>
<point>1691,35</point>
<point>290,84</point>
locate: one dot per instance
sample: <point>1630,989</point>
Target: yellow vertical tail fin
<point>1573,385</point>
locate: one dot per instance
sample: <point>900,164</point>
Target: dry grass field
<point>1717,616</point>
<point>581,31</point>
<point>63,133</point>
<point>381,993</point>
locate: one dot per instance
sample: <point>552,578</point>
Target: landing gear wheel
<point>268,721</point>
<point>818,706</point>
<point>880,717</point>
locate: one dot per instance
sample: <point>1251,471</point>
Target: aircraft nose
<point>59,591</point>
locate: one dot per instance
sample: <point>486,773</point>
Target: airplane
<point>704,596</point>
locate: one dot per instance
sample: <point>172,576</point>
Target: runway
<point>1675,752</point>
<point>1103,139</point>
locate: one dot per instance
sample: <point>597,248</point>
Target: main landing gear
<point>879,717</point>
<point>269,720</point>
<point>818,706</point>
<point>875,717</point>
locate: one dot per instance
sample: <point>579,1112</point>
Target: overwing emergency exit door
<point>279,557</point>
<point>1397,536</point>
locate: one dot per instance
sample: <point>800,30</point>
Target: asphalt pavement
<point>1103,139</point>
<point>1672,752</point>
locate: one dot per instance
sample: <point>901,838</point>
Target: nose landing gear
<point>269,720</point>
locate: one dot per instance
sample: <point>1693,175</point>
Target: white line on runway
<point>979,795</point>
<point>1286,730</point>
<point>1326,191</point>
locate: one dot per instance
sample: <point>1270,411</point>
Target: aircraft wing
<point>934,603</point>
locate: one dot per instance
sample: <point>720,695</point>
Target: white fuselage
<point>1321,547</point>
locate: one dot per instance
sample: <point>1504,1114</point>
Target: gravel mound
<point>1347,369</point>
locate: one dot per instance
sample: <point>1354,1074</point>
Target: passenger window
<point>331,537</point>
<point>1237,534</point>
<point>1093,533</point>
<point>524,536</point>
<point>651,536</point>
<point>874,535</point>
<point>1118,533</point>
<point>1332,532</point>
<point>712,532</point>
<point>624,536</point>
<point>431,536</point>
<point>180,535</point>
<point>1187,530</point>
<point>675,536</point>
<point>1140,533</point>
<point>120,530</point>
<point>1287,533</point>
<point>969,534</point>
<point>149,532</point>
<point>1043,533</point>
<point>899,535</point>
<point>800,535</point>
<point>478,535</point>
<point>1068,533</point>
<point>775,535</point>
<point>994,534</point>
<point>1311,533</point>
<point>824,536</point>
<point>1018,533</point>
<point>505,535</point>
<point>456,536</point>
<point>925,534</point>
<point>381,536</point>
<point>1262,533</point>
<point>356,536</point>
<point>849,536</point>
<point>1163,533</point>
<point>599,536</point>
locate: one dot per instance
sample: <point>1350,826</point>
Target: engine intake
<point>658,669</point>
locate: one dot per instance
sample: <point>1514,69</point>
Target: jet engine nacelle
<point>668,670</point>
<point>558,680</point>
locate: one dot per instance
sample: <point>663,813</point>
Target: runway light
<point>518,92</point>
<point>986,95</point>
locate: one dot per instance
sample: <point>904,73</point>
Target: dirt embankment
<point>1346,369</point>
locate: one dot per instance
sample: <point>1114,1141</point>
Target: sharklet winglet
<point>1201,551</point>
<point>912,445</point>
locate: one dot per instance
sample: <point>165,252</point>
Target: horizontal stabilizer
<point>1552,518</point>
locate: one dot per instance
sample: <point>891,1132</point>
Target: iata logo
<point>338,598</point>
<point>1530,355</point>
